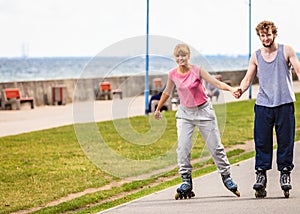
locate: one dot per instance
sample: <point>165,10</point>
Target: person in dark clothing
<point>274,106</point>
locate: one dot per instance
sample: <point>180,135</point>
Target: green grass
<point>39,167</point>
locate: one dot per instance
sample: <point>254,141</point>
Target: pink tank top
<point>190,87</point>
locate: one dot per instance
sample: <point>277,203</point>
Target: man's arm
<point>293,59</point>
<point>251,72</point>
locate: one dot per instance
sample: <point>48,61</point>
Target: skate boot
<point>185,189</point>
<point>261,183</point>
<point>230,185</point>
<point>285,182</point>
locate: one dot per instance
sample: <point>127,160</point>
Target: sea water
<point>50,68</point>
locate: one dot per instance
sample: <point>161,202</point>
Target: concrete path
<point>27,120</point>
<point>212,197</point>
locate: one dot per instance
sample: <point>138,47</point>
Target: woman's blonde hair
<point>182,49</point>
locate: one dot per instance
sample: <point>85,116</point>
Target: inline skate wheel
<point>286,194</point>
<point>237,193</point>
<point>260,193</point>
<point>178,196</point>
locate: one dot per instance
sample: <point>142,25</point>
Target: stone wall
<point>87,89</point>
<point>79,89</point>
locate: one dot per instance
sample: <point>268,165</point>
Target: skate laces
<point>285,178</point>
<point>185,185</point>
<point>229,183</point>
<point>261,177</point>
<point>187,181</point>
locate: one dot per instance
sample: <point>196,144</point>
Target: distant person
<point>274,106</point>
<point>213,91</point>
<point>195,109</point>
<point>154,97</point>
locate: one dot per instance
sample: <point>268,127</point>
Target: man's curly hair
<point>264,26</point>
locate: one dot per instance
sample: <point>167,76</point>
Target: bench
<point>105,91</point>
<point>118,92</point>
<point>13,95</point>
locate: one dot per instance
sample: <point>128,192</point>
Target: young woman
<point>195,109</point>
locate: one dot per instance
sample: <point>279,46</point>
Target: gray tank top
<point>275,80</point>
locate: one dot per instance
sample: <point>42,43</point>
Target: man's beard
<point>267,46</point>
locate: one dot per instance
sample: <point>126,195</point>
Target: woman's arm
<point>215,82</point>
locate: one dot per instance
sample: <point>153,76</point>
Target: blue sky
<point>45,28</point>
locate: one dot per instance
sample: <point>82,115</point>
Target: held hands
<point>237,93</point>
<point>157,115</point>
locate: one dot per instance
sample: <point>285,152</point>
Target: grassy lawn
<point>43,166</point>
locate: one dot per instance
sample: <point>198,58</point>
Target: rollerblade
<point>285,182</point>
<point>185,189</point>
<point>230,185</point>
<point>260,185</point>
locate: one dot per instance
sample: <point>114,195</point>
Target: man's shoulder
<point>289,51</point>
<point>287,47</point>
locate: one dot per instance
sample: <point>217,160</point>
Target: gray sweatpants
<point>204,118</point>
